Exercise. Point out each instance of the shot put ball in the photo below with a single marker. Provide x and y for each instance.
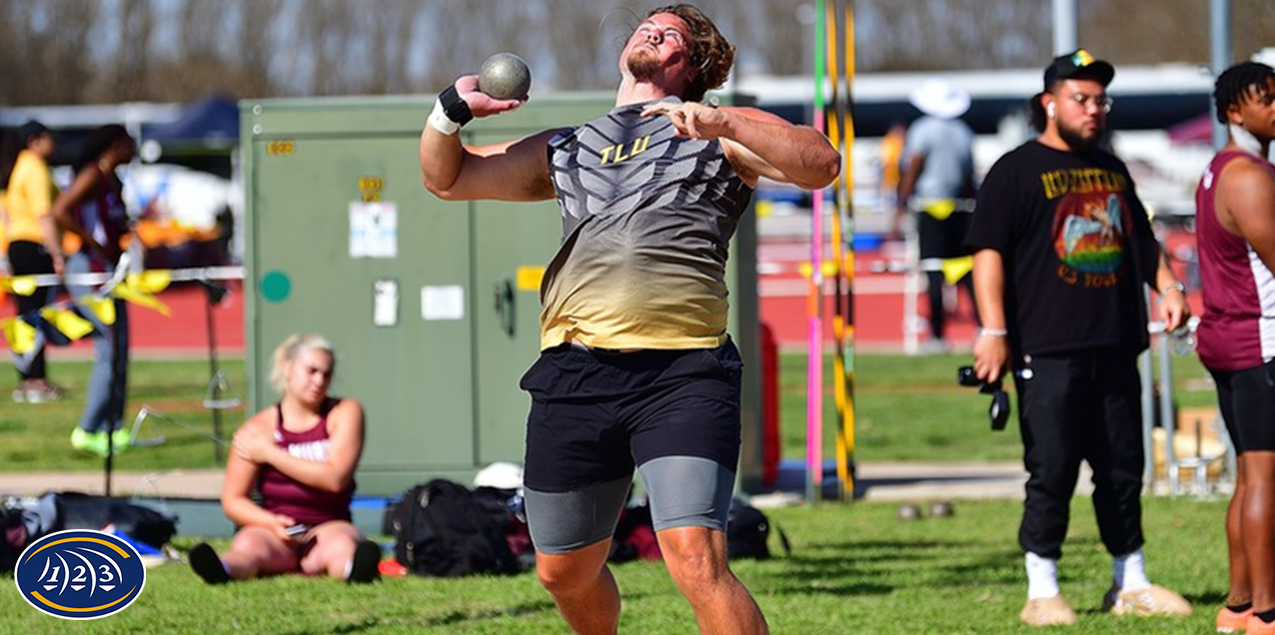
(504, 76)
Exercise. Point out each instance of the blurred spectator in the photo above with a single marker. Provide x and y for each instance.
(300, 454)
(92, 212)
(937, 183)
(33, 243)
(891, 157)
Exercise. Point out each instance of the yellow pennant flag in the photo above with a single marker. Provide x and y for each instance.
(941, 208)
(23, 285)
(67, 322)
(956, 268)
(150, 281)
(103, 308)
(127, 293)
(20, 335)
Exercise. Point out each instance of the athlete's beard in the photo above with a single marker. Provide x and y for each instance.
(642, 64)
(1076, 142)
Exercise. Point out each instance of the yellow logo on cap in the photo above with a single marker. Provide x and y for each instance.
(1082, 58)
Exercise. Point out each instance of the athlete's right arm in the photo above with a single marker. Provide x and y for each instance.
(991, 349)
(511, 171)
(1248, 193)
(237, 487)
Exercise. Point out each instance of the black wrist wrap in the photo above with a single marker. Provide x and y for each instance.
(455, 107)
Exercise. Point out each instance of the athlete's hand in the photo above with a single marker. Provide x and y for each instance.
(480, 103)
(991, 357)
(1174, 310)
(692, 120)
(253, 444)
(280, 527)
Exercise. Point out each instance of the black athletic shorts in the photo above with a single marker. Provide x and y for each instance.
(1247, 401)
(596, 413)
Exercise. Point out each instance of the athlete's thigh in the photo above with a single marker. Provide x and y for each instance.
(697, 414)
(271, 553)
(564, 522)
(335, 538)
(688, 491)
(1253, 406)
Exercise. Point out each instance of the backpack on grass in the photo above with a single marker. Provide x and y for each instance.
(441, 529)
(748, 533)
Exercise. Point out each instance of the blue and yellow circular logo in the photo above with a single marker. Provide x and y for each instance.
(80, 574)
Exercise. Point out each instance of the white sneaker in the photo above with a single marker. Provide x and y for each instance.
(1153, 600)
(1051, 611)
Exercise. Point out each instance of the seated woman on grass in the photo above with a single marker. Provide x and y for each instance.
(300, 454)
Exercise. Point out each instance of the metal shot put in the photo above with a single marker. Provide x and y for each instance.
(505, 76)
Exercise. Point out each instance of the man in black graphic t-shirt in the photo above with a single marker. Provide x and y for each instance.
(1063, 249)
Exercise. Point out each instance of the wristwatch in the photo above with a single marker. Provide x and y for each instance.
(1177, 285)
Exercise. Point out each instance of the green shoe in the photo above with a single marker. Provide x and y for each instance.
(93, 442)
(121, 439)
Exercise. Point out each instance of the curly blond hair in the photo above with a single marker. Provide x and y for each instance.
(710, 52)
(288, 351)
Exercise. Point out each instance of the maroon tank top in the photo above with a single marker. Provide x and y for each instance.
(282, 494)
(1237, 330)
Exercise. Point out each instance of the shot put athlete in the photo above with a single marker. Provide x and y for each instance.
(636, 368)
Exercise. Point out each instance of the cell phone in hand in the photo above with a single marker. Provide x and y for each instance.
(296, 530)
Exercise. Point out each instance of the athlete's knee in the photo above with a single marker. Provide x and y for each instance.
(254, 540)
(562, 574)
(695, 557)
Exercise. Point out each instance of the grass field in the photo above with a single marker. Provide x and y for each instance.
(854, 569)
(37, 437)
(909, 409)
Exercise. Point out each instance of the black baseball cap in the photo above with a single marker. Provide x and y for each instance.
(1078, 64)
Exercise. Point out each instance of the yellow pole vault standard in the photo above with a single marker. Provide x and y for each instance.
(841, 132)
(847, 183)
(838, 319)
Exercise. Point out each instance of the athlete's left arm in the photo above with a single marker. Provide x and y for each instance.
(1248, 192)
(758, 143)
(345, 445)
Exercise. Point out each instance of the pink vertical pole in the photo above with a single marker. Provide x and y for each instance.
(814, 370)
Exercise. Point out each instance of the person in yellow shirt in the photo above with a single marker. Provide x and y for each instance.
(33, 244)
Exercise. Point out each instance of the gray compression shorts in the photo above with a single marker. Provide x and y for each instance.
(684, 491)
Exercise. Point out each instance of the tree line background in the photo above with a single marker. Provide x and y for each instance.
(106, 51)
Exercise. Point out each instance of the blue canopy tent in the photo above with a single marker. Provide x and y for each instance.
(203, 137)
(208, 126)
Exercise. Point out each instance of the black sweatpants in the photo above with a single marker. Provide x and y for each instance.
(938, 316)
(943, 239)
(31, 258)
(1077, 406)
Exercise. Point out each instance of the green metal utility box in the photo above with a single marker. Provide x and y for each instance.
(433, 306)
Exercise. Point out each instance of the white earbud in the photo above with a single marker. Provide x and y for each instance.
(1049, 109)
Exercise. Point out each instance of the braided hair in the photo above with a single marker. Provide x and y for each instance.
(1237, 83)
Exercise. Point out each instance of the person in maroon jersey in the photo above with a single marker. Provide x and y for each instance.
(300, 454)
(1235, 232)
